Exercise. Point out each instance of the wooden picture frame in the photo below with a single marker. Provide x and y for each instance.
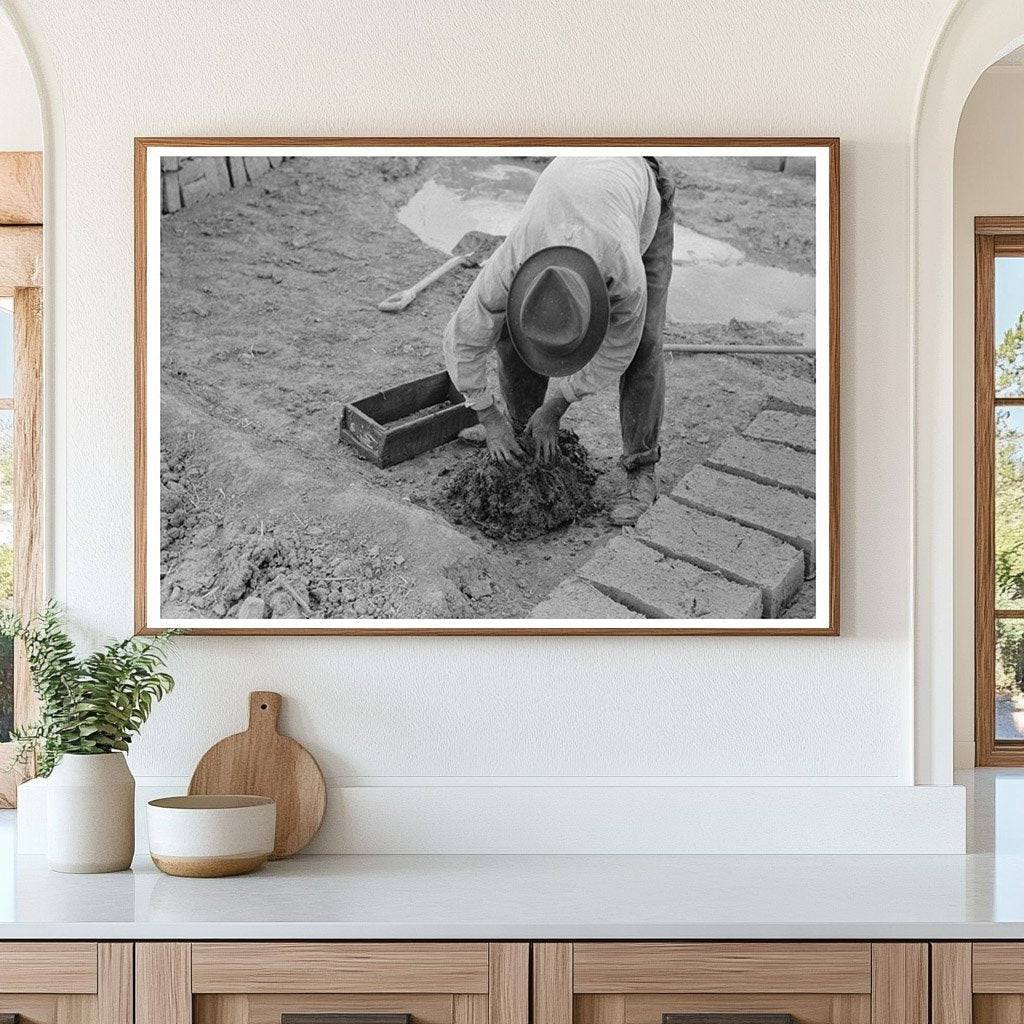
(147, 200)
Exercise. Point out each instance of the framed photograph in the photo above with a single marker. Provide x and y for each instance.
(487, 386)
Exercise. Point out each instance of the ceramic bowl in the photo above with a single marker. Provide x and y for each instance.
(211, 836)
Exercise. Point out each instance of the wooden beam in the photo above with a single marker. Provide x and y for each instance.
(21, 188)
(28, 483)
(28, 560)
(21, 258)
(984, 503)
(999, 225)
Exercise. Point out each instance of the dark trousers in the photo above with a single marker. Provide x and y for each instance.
(642, 385)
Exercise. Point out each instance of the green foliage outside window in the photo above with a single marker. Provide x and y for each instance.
(6, 688)
(1009, 509)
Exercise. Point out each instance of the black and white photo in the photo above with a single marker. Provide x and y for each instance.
(397, 387)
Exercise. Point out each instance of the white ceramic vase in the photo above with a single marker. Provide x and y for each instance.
(90, 814)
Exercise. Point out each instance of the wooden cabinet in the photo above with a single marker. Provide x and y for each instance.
(66, 982)
(648, 982)
(496, 983)
(259, 982)
(979, 982)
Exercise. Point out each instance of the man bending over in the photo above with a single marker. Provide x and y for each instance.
(576, 292)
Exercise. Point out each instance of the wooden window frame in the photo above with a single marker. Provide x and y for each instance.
(21, 268)
(993, 237)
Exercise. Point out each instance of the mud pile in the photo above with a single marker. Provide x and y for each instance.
(524, 500)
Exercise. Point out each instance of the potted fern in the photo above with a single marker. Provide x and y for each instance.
(89, 710)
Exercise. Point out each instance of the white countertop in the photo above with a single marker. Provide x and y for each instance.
(532, 897)
(978, 896)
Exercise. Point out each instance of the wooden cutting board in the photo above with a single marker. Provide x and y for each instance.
(262, 762)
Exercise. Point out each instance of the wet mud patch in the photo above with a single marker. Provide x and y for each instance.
(525, 500)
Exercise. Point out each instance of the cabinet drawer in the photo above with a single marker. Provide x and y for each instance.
(271, 1009)
(340, 967)
(736, 982)
(998, 967)
(630, 967)
(66, 982)
(48, 967)
(262, 982)
(980, 982)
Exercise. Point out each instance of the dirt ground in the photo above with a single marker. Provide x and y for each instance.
(269, 325)
(768, 216)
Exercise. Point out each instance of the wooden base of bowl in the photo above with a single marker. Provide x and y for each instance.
(210, 867)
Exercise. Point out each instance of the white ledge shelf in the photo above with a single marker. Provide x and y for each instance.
(531, 897)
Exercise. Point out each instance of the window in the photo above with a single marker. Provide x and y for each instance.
(21, 349)
(6, 510)
(999, 490)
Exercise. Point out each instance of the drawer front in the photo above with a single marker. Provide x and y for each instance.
(48, 967)
(66, 982)
(981, 982)
(340, 967)
(264, 982)
(998, 967)
(735, 982)
(635, 967)
(271, 1009)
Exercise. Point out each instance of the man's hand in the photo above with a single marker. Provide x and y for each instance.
(543, 426)
(501, 438)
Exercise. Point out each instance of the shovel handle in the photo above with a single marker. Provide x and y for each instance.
(398, 301)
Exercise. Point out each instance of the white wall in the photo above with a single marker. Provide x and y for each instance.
(988, 181)
(441, 714)
(21, 125)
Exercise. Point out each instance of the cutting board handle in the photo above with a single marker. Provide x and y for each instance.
(264, 711)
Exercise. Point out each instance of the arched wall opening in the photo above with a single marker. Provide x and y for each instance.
(976, 34)
(987, 182)
(21, 119)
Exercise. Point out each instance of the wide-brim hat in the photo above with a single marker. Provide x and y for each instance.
(557, 311)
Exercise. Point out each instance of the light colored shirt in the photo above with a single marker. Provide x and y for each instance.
(606, 206)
